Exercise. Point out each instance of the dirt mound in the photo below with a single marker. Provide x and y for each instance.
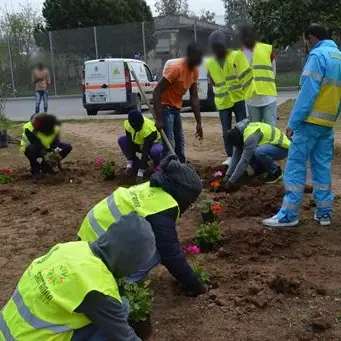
(252, 201)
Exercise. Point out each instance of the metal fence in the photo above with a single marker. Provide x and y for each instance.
(64, 52)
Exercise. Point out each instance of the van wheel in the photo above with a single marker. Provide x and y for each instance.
(92, 112)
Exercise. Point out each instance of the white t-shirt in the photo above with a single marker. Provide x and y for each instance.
(257, 100)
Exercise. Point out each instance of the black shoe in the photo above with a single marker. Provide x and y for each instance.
(36, 175)
(273, 178)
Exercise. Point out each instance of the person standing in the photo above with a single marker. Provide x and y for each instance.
(41, 80)
(262, 106)
(177, 79)
(311, 123)
(229, 94)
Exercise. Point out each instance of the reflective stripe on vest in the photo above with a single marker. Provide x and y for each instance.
(4, 329)
(113, 210)
(263, 74)
(142, 199)
(34, 321)
(321, 115)
(271, 135)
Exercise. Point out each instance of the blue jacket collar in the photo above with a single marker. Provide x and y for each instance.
(325, 43)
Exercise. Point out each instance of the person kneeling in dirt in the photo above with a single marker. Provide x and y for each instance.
(161, 201)
(141, 137)
(258, 145)
(40, 144)
(71, 293)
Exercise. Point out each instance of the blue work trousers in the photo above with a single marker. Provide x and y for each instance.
(316, 144)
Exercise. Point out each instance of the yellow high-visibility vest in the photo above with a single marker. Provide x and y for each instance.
(142, 199)
(54, 285)
(263, 74)
(327, 104)
(46, 140)
(139, 136)
(271, 135)
(227, 87)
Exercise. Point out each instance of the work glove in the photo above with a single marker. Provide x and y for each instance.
(58, 150)
(230, 187)
(129, 172)
(52, 162)
(203, 290)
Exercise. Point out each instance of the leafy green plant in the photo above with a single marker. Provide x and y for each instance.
(208, 235)
(139, 298)
(203, 276)
(107, 170)
(5, 179)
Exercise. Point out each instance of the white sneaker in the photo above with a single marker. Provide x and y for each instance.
(325, 220)
(275, 222)
(227, 162)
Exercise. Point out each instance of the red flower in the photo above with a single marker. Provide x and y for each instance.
(216, 207)
(5, 171)
(215, 184)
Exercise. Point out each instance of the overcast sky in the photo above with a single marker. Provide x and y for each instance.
(195, 5)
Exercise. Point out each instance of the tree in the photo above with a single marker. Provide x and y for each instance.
(207, 16)
(283, 22)
(172, 7)
(236, 12)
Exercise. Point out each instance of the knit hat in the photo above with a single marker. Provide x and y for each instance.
(180, 180)
(136, 119)
(218, 37)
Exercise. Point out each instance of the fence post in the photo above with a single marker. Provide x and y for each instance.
(195, 29)
(52, 64)
(11, 64)
(144, 42)
(95, 38)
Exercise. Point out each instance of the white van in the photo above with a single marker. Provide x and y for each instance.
(205, 91)
(109, 85)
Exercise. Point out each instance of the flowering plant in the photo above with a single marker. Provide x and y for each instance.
(191, 251)
(218, 174)
(107, 170)
(5, 176)
(99, 161)
(5, 171)
(215, 185)
(208, 235)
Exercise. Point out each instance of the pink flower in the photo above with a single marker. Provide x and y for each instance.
(99, 161)
(218, 174)
(193, 250)
(5, 171)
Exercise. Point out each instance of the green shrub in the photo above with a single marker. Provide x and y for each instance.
(203, 276)
(208, 235)
(140, 300)
(5, 179)
(107, 171)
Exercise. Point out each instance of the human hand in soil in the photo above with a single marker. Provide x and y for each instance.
(199, 132)
(203, 290)
(289, 132)
(231, 188)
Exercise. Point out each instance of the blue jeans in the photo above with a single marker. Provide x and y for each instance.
(239, 110)
(312, 143)
(41, 95)
(265, 156)
(92, 333)
(174, 131)
(266, 114)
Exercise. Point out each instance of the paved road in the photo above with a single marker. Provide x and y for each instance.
(72, 108)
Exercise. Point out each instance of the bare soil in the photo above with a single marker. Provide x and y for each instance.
(270, 285)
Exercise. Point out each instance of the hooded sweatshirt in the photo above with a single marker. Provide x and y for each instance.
(123, 249)
(242, 155)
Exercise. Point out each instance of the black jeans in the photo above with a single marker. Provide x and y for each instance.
(239, 110)
(33, 152)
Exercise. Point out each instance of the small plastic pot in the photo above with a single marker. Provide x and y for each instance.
(143, 329)
(208, 217)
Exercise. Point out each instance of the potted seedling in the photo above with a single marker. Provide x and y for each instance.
(208, 236)
(5, 176)
(210, 210)
(140, 306)
(191, 252)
